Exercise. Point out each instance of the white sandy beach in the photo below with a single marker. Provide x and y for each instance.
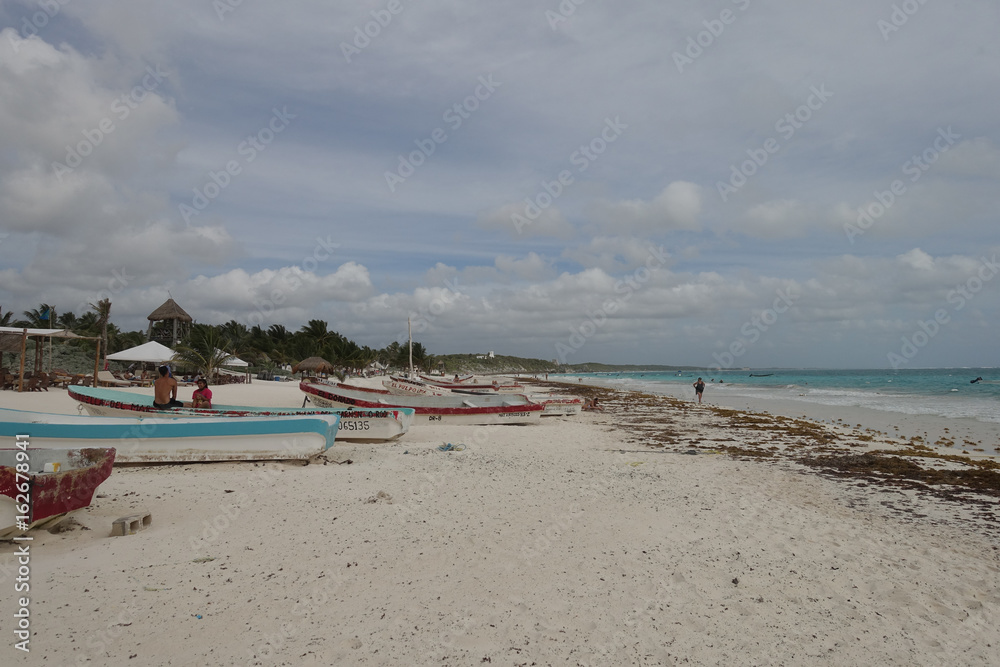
(566, 543)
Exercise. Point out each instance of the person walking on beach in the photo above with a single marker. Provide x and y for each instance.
(699, 388)
(165, 391)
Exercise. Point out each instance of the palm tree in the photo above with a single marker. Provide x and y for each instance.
(87, 324)
(204, 349)
(67, 321)
(40, 317)
(103, 311)
(5, 318)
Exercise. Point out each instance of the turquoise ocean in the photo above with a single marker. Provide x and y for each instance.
(943, 392)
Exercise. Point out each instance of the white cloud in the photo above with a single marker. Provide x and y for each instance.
(678, 206)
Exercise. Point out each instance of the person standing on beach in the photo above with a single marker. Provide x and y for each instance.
(165, 391)
(699, 388)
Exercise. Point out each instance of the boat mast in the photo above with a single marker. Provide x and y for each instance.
(409, 333)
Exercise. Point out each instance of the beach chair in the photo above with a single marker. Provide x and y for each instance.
(106, 379)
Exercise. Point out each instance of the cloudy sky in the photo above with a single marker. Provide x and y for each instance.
(722, 183)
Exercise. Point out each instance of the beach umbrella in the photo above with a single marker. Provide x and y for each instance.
(313, 365)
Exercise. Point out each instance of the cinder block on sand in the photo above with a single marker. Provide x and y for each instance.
(132, 524)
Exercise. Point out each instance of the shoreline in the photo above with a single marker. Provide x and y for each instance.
(592, 540)
(964, 433)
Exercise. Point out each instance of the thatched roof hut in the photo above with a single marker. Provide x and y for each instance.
(169, 312)
(313, 365)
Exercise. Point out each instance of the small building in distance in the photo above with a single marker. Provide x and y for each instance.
(168, 324)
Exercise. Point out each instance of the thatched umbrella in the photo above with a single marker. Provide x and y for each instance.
(314, 365)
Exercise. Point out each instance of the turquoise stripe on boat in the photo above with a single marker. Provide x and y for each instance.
(145, 400)
(173, 428)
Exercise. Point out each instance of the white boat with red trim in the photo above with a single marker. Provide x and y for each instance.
(456, 409)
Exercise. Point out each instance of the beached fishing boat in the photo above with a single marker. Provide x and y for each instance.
(558, 406)
(50, 484)
(462, 385)
(405, 387)
(376, 425)
(457, 409)
(158, 440)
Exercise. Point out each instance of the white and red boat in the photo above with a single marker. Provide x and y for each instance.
(559, 406)
(455, 409)
(405, 387)
(462, 385)
(50, 484)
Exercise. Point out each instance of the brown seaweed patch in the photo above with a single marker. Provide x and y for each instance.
(906, 472)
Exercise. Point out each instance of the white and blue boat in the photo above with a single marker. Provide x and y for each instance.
(157, 440)
(366, 425)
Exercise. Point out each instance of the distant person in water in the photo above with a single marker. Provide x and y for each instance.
(165, 391)
(975, 381)
(699, 388)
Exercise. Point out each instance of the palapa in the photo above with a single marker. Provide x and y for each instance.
(314, 365)
(169, 312)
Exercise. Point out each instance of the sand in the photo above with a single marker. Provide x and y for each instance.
(592, 540)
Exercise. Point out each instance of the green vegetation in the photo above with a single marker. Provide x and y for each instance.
(276, 346)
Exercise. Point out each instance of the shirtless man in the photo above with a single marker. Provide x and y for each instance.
(165, 391)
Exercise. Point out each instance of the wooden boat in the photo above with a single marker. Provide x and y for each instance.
(457, 409)
(157, 440)
(400, 386)
(35, 498)
(376, 425)
(512, 388)
(558, 406)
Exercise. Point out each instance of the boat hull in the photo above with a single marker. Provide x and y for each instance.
(355, 425)
(52, 495)
(404, 387)
(560, 407)
(431, 409)
(157, 440)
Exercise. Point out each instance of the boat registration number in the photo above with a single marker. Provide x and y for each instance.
(356, 425)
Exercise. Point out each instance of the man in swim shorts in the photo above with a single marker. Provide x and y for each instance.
(165, 391)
